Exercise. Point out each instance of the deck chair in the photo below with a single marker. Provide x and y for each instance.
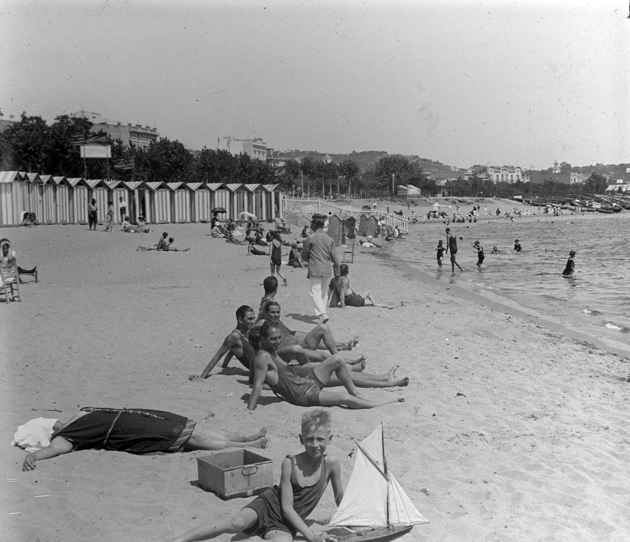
(31, 272)
(10, 280)
(348, 251)
(281, 225)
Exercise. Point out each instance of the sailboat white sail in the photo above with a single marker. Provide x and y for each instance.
(373, 497)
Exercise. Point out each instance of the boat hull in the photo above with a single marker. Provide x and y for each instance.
(382, 534)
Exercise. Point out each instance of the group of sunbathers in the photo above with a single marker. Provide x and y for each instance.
(297, 366)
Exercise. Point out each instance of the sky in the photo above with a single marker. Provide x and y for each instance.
(486, 82)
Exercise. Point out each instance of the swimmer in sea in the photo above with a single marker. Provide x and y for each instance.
(495, 250)
(440, 253)
(480, 255)
(517, 246)
(569, 270)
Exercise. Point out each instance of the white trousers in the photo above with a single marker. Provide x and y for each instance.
(319, 293)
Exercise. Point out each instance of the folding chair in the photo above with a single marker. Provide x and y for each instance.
(31, 272)
(9, 280)
(349, 252)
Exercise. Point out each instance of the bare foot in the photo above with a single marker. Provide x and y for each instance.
(195, 377)
(391, 373)
(356, 361)
(358, 366)
(354, 342)
(260, 443)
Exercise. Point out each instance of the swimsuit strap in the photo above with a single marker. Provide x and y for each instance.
(110, 428)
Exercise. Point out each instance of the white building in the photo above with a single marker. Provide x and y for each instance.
(506, 174)
(129, 134)
(256, 148)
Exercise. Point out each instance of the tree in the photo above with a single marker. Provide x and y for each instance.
(595, 184)
(396, 165)
(25, 144)
(349, 170)
(166, 161)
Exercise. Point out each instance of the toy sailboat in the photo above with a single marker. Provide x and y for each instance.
(374, 502)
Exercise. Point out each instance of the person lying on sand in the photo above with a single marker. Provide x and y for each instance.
(237, 344)
(136, 431)
(349, 298)
(306, 389)
(168, 247)
(279, 513)
(319, 338)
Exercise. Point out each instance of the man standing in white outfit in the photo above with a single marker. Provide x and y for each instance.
(320, 254)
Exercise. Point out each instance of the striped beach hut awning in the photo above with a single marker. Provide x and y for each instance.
(233, 187)
(31, 178)
(174, 186)
(154, 185)
(269, 187)
(112, 184)
(251, 187)
(132, 185)
(46, 179)
(9, 176)
(75, 181)
(214, 186)
(194, 186)
(58, 180)
(93, 183)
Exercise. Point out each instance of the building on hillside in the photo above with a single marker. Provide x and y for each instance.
(256, 148)
(578, 178)
(621, 172)
(129, 134)
(327, 159)
(276, 158)
(505, 174)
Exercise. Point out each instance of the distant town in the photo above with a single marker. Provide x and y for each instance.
(253, 160)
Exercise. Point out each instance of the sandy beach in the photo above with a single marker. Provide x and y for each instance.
(512, 427)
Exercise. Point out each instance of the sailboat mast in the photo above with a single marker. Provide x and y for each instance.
(389, 526)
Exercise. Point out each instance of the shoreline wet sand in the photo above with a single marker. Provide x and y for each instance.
(511, 428)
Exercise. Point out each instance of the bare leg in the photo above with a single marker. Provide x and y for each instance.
(368, 295)
(337, 366)
(205, 439)
(366, 380)
(343, 398)
(210, 529)
(323, 331)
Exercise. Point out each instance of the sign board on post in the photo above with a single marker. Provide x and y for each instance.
(96, 151)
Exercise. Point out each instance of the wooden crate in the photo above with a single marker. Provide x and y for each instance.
(237, 473)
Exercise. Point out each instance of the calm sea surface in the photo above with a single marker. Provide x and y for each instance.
(596, 301)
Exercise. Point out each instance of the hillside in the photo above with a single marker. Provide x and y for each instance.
(365, 159)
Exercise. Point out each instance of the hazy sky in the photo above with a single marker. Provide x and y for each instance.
(518, 82)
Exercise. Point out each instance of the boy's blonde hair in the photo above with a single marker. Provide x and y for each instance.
(315, 419)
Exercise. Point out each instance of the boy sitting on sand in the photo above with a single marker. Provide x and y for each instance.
(279, 513)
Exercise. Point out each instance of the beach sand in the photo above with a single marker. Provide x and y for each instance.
(511, 429)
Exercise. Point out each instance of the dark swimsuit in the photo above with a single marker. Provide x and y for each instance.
(354, 300)
(276, 254)
(268, 506)
(298, 389)
(568, 270)
(137, 431)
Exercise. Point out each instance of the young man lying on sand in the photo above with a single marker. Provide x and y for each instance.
(304, 390)
(320, 337)
(279, 513)
(136, 431)
(238, 344)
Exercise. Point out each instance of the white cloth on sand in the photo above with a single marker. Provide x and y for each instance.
(35, 434)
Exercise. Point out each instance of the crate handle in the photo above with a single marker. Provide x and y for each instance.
(249, 471)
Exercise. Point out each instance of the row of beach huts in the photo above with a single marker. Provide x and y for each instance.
(62, 200)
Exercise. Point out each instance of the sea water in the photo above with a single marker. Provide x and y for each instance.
(596, 300)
